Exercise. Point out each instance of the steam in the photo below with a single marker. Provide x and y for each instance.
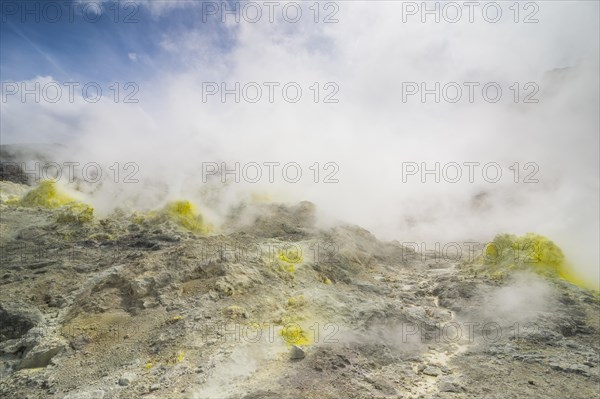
(522, 300)
(171, 132)
(242, 363)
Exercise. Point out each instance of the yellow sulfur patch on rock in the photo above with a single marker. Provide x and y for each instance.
(293, 334)
(288, 258)
(297, 301)
(185, 214)
(76, 212)
(45, 195)
(533, 252)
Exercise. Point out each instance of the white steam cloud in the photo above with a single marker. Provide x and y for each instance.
(370, 132)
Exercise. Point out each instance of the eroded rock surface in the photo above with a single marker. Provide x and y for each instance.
(274, 307)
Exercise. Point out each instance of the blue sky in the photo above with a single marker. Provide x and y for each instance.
(119, 47)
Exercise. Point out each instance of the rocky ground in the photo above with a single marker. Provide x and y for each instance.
(271, 306)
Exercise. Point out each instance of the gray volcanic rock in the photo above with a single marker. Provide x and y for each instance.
(297, 353)
(17, 319)
(274, 306)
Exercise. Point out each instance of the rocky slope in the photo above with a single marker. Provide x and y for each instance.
(272, 306)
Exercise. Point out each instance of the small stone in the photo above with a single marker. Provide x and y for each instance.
(432, 371)
(125, 380)
(297, 353)
(95, 394)
(154, 387)
(40, 357)
(79, 342)
(448, 386)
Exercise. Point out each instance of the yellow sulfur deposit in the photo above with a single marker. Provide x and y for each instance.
(293, 334)
(138, 217)
(76, 212)
(45, 195)
(297, 301)
(185, 214)
(174, 319)
(529, 252)
(289, 258)
(292, 255)
(164, 359)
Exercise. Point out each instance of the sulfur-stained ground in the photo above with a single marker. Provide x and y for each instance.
(128, 308)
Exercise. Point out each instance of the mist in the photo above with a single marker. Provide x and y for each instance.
(369, 135)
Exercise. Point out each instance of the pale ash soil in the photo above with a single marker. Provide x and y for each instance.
(118, 309)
